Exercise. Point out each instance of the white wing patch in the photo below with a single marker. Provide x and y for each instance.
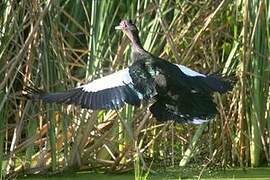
(122, 78)
(119, 78)
(198, 121)
(188, 71)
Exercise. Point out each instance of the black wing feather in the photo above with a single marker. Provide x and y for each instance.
(112, 98)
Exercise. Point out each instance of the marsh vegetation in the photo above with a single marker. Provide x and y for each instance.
(57, 45)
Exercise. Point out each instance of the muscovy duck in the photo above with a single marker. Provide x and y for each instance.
(177, 92)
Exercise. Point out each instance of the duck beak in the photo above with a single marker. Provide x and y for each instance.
(118, 27)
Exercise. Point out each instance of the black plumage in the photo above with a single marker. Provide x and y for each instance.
(178, 93)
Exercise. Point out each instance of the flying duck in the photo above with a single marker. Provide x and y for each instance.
(177, 92)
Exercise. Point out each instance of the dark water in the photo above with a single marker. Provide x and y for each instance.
(256, 173)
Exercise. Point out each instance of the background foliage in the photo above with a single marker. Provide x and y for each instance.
(56, 45)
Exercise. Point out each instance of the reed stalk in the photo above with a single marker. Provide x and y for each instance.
(259, 79)
(2, 138)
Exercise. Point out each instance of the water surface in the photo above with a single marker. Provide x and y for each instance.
(170, 174)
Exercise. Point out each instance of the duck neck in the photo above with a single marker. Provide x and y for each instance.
(136, 43)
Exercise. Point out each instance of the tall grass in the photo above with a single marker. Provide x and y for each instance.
(258, 79)
(57, 45)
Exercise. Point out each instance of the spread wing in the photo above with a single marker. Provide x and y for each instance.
(205, 83)
(191, 98)
(108, 92)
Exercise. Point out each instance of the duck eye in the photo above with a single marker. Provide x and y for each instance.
(124, 24)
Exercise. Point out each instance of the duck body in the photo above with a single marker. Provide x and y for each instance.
(185, 98)
(176, 92)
